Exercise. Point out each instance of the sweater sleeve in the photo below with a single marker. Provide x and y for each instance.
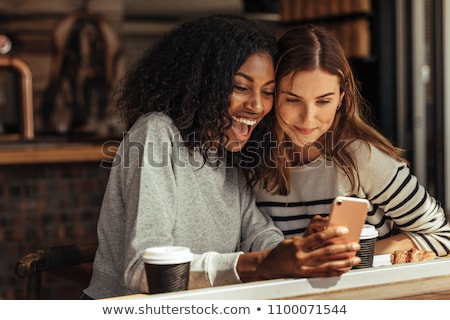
(258, 232)
(213, 269)
(149, 192)
(391, 187)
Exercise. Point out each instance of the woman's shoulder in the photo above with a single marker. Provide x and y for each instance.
(154, 119)
(358, 145)
(154, 124)
(366, 152)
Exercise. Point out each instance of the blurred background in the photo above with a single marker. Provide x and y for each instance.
(60, 60)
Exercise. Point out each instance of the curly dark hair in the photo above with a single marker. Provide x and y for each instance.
(189, 75)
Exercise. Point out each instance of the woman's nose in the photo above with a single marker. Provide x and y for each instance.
(256, 104)
(307, 114)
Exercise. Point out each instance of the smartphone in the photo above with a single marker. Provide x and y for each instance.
(351, 213)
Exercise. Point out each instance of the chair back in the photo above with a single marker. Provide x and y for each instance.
(55, 259)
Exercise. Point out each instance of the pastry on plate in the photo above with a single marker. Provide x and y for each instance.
(412, 255)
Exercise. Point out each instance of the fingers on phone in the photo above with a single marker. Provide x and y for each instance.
(336, 249)
(345, 265)
(322, 237)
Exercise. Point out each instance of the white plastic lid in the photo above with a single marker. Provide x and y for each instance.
(167, 255)
(368, 232)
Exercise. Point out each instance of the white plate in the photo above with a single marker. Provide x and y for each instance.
(382, 260)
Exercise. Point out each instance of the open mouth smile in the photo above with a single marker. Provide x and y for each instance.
(243, 126)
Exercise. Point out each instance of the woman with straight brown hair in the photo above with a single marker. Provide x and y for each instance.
(326, 147)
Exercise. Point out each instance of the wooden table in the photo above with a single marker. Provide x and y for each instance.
(419, 280)
(443, 295)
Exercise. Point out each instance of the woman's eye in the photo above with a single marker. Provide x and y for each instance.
(240, 88)
(323, 102)
(268, 93)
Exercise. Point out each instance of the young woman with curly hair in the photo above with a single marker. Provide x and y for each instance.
(326, 148)
(192, 102)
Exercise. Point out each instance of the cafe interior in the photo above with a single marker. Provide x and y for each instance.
(59, 132)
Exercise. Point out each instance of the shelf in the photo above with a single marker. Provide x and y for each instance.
(31, 153)
(331, 18)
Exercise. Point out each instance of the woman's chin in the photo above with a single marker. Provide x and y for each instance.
(235, 146)
(237, 139)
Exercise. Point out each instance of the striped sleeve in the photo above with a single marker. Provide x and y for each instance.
(391, 187)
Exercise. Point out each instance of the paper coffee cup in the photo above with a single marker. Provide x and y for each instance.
(367, 241)
(167, 268)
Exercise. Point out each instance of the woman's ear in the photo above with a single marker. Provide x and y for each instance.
(341, 98)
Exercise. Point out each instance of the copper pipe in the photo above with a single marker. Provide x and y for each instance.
(27, 112)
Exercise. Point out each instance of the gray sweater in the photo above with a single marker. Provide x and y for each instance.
(158, 194)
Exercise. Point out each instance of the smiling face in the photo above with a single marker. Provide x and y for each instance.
(251, 99)
(307, 105)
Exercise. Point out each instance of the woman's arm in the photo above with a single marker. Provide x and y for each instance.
(399, 242)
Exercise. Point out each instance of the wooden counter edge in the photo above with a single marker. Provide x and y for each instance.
(423, 289)
(57, 154)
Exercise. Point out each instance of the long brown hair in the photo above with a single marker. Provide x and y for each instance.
(306, 48)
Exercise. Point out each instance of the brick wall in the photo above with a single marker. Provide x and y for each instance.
(46, 205)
